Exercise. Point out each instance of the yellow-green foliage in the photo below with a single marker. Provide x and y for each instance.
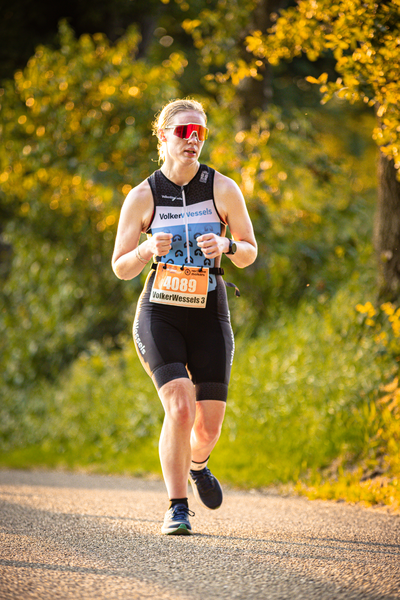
(375, 479)
(75, 138)
(103, 413)
(76, 126)
(383, 324)
(352, 487)
(364, 39)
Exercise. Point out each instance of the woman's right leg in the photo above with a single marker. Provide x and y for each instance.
(161, 346)
(179, 402)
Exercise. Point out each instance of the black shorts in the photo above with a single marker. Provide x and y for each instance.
(178, 341)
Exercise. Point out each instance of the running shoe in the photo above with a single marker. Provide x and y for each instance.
(176, 521)
(206, 488)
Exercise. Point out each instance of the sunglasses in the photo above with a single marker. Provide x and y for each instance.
(185, 131)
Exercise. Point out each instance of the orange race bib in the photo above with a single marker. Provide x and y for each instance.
(180, 287)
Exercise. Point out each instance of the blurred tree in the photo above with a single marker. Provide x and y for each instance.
(74, 137)
(219, 33)
(274, 154)
(364, 37)
(25, 24)
(256, 92)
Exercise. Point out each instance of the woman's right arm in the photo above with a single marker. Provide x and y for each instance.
(129, 258)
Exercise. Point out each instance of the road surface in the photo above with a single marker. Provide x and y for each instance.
(76, 536)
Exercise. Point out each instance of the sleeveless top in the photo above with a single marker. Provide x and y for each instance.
(187, 212)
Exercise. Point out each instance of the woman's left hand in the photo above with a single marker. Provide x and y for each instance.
(212, 245)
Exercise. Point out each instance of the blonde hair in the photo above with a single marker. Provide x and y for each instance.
(165, 116)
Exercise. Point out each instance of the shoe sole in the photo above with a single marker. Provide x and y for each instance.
(181, 530)
(199, 500)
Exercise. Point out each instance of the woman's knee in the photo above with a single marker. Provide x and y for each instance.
(179, 402)
(182, 413)
(207, 432)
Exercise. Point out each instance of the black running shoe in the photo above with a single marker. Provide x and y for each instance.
(206, 488)
(176, 521)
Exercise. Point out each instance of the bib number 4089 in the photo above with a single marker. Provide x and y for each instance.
(179, 284)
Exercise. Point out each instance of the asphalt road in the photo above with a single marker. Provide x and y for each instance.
(76, 536)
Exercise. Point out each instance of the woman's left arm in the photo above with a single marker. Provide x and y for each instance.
(232, 208)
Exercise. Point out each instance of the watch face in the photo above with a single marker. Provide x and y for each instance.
(233, 248)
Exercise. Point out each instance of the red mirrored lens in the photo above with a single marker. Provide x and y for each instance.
(185, 131)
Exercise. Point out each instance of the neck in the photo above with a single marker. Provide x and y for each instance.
(178, 174)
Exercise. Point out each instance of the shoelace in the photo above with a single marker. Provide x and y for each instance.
(203, 479)
(180, 511)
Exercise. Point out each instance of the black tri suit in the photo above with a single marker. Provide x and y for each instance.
(186, 341)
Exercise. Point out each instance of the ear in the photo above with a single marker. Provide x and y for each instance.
(161, 135)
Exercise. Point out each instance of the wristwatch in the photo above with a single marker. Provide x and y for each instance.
(232, 247)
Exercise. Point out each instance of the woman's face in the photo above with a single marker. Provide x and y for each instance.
(176, 149)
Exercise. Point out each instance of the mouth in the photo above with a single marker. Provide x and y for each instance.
(190, 152)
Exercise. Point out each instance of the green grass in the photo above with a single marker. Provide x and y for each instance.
(141, 459)
(103, 415)
(300, 397)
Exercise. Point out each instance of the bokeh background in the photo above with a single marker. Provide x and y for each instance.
(302, 99)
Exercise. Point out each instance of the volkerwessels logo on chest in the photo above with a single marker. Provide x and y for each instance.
(202, 212)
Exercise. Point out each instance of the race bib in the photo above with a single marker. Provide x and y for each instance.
(180, 287)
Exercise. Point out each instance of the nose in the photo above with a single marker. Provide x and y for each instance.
(192, 134)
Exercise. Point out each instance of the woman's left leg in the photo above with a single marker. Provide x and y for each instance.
(205, 434)
(207, 428)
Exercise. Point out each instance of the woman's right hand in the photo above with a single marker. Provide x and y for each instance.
(159, 243)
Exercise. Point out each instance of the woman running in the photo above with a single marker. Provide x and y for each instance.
(182, 329)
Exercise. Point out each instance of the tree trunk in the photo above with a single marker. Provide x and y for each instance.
(387, 230)
(257, 93)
